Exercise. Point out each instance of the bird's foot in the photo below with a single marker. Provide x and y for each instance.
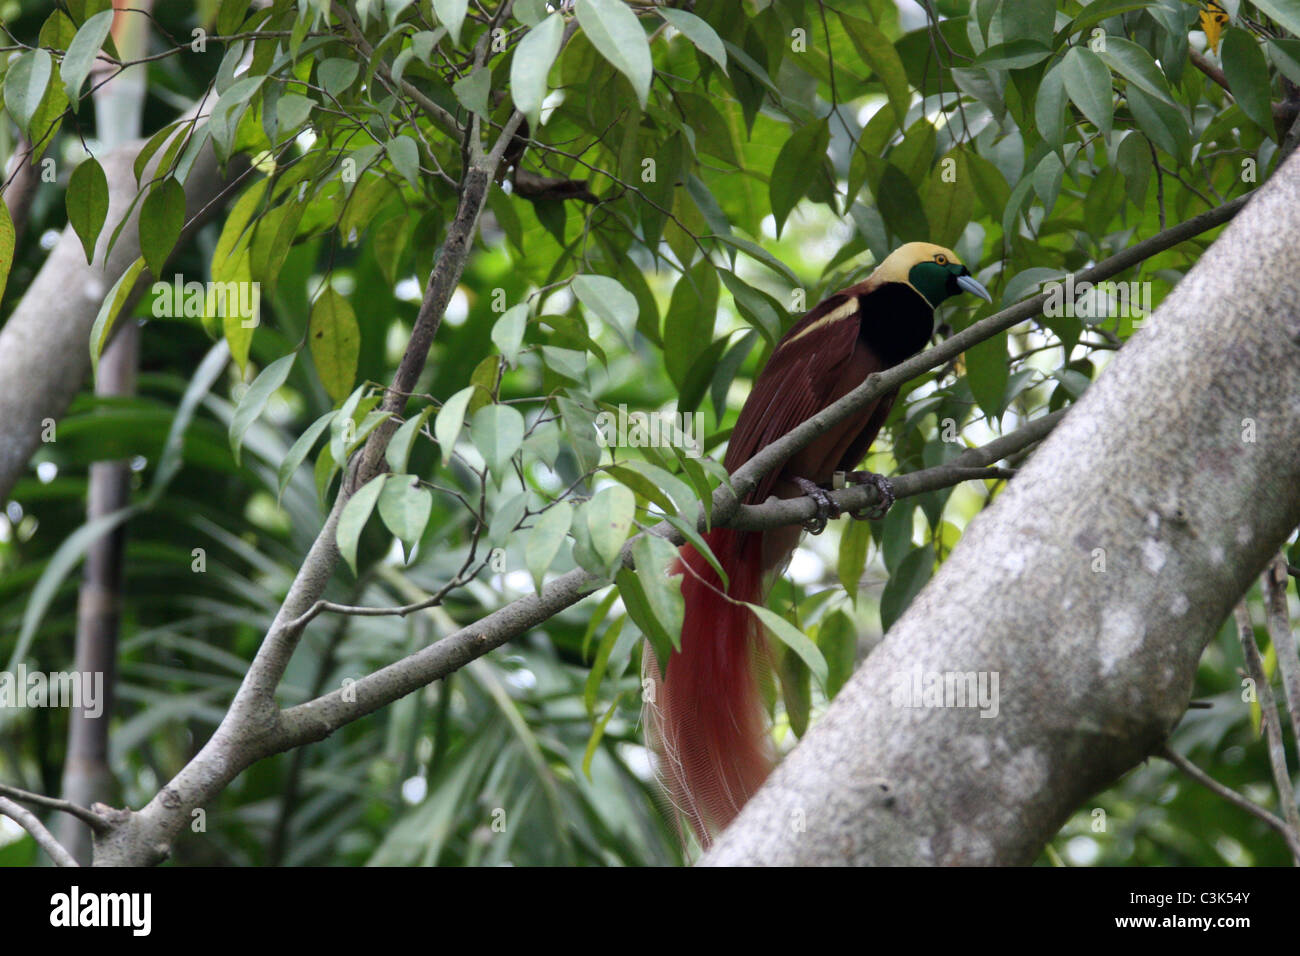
(825, 507)
(881, 484)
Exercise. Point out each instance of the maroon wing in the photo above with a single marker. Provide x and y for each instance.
(809, 369)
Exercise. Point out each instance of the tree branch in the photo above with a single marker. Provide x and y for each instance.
(315, 719)
(1268, 715)
(43, 837)
(1283, 640)
(89, 817)
(1232, 796)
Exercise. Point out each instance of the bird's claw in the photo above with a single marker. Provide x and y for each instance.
(882, 485)
(825, 507)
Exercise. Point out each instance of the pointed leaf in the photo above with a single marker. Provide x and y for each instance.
(542, 541)
(405, 506)
(82, 51)
(609, 517)
(614, 30)
(162, 216)
(497, 432)
(793, 638)
(354, 517)
(531, 64)
(87, 202)
(451, 417)
(255, 398)
(1087, 81)
(699, 32)
(335, 341)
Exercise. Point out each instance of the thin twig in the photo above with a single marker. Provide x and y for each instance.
(1232, 796)
(1272, 724)
(89, 817)
(43, 837)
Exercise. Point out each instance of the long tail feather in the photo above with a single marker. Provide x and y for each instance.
(705, 715)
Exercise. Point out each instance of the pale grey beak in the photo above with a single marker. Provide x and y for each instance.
(971, 285)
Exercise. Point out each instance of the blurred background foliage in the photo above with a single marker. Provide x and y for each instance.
(791, 145)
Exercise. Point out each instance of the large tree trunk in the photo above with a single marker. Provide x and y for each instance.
(1089, 587)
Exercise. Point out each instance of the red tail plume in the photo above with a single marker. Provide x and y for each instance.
(706, 720)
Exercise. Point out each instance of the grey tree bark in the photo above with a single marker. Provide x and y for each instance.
(1089, 587)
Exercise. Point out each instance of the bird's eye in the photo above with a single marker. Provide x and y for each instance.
(941, 259)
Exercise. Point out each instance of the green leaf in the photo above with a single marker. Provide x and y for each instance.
(1248, 76)
(82, 51)
(614, 30)
(405, 506)
(837, 638)
(25, 81)
(1049, 107)
(335, 75)
(853, 556)
(225, 298)
(987, 371)
(162, 216)
(335, 341)
(796, 690)
(683, 500)
(354, 517)
(542, 541)
(1163, 124)
(688, 324)
(299, 450)
(1087, 81)
(904, 584)
(704, 37)
(597, 734)
(948, 202)
(497, 432)
(1138, 67)
(451, 14)
(793, 638)
(608, 299)
(1014, 55)
(112, 305)
(87, 202)
(900, 207)
(1285, 12)
(508, 332)
(879, 54)
(1133, 160)
(450, 420)
(473, 91)
(6, 245)
(609, 516)
(531, 64)
(255, 398)
(795, 166)
(662, 641)
(655, 557)
(292, 110)
(398, 452)
(405, 156)
(697, 541)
